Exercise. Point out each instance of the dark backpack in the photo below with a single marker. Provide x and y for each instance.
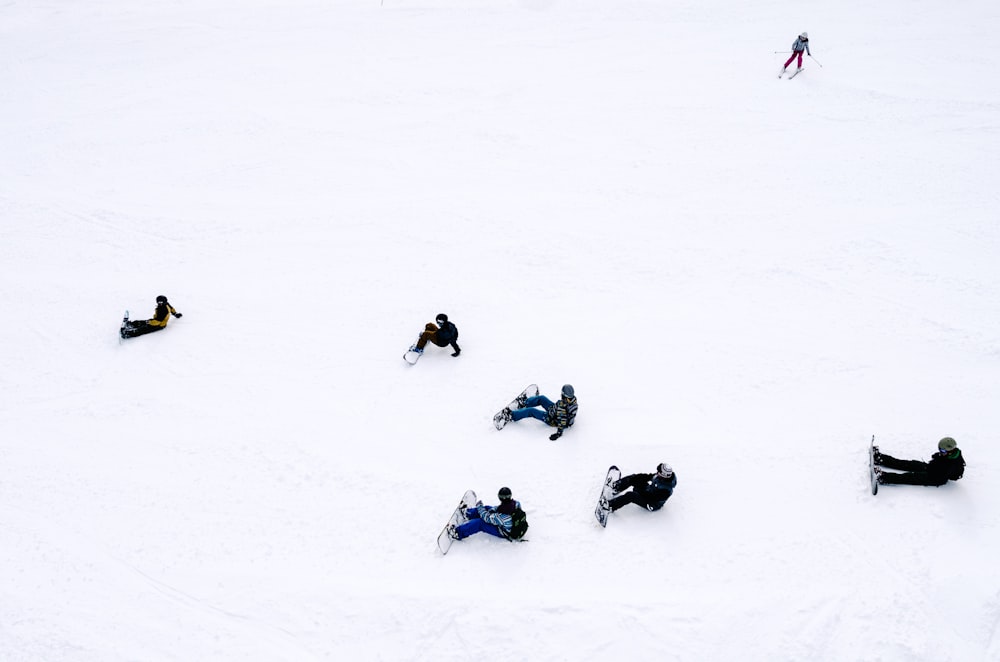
(448, 333)
(518, 524)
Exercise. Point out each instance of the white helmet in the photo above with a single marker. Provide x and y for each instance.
(804, 35)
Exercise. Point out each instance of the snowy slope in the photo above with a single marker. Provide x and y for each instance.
(743, 276)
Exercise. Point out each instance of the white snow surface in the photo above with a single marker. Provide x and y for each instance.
(743, 276)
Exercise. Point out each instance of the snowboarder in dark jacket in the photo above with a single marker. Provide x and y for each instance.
(650, 491)
(947, 464)
(559, 414)
(161, 316)
(442, 334)
(496, 521)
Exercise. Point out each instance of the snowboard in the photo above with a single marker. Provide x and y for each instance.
(457, 517)
(603, 509)
(124, 327)
(412, 355)
(871, 465)
(531, 391)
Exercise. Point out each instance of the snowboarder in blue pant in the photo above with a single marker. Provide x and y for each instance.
(560, 414)
(504, 521)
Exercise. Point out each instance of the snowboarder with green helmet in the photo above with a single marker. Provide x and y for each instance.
(947, 464)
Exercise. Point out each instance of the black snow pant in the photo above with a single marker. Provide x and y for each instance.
(140, 328)
(917, 473)
(632, 496)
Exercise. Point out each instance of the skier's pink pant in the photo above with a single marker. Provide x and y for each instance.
(794, 53)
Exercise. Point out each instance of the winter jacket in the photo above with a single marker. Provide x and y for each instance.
(800, 45)
(162, 315)
(499, 516)
(945, 466)
(657, 490)
(447, 334)
(562, 413)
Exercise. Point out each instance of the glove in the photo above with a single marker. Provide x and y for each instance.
(178, 315)
(479, 503)
(553, 437)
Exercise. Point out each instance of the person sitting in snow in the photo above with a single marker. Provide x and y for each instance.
(560, 414)
(650, 491)
(504, 521)
(442, 334)
(800, 44)
(133, 328)
(947, 464)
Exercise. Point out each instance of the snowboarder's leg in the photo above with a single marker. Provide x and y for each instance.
(623, 500)
(474, 526)
(538, 401)
(140, 328)
(458, 350)
(527, 412)
(889, 462)
(912, 478)
(424, 337)
(635, 480)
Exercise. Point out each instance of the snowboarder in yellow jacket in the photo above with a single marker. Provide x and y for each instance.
(133, 328)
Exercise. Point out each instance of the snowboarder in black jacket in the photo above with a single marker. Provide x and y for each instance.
(650, 491)
(133, 328)
(947, 464)
(442, 334)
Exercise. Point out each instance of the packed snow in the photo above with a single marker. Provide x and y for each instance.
(743, 276)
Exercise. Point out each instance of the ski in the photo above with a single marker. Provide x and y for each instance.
(796, 73)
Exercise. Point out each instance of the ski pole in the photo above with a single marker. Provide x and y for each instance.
(777, 52)
(816, 61)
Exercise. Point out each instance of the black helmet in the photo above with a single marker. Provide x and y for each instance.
(441, 318)
(161, 299)
(505, 494)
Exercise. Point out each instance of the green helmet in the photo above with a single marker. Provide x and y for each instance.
(947, 444)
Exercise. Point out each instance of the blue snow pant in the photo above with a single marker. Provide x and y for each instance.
(530, 409)
(476, 525)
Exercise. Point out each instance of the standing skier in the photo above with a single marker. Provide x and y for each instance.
(133, 328)
(559, 414)
(947, 464)
(442, 334)
(800, 44)
(650, 491)
(504, 521)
